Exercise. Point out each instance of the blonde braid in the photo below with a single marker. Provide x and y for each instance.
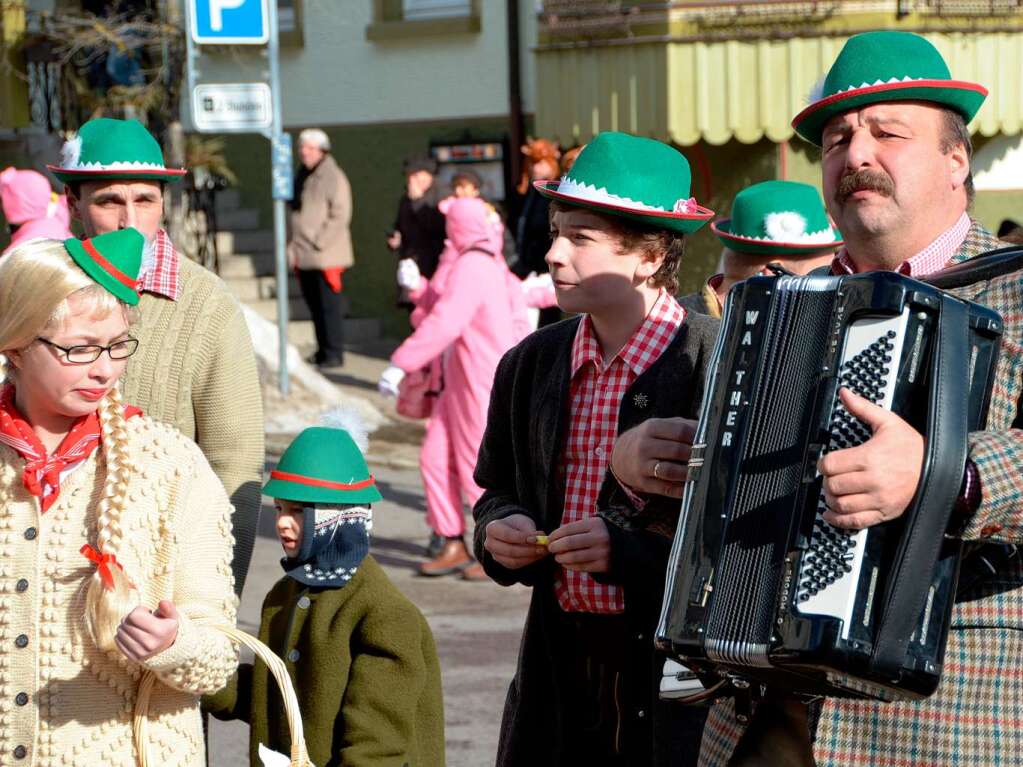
(106, 608)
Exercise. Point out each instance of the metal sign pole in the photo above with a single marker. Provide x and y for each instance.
(280, 234)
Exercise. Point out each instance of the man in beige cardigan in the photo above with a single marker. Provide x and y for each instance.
(195, 368)
(321, 243)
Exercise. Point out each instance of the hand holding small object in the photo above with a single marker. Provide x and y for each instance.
(143, 633)
(584, 546)
(409, 275)
(514, 541)
(390, 380)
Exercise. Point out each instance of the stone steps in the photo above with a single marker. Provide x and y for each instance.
(247, 265)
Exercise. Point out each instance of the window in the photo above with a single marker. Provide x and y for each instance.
(416, 10)
(404, 19)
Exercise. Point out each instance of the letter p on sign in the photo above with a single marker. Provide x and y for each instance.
(217, 8)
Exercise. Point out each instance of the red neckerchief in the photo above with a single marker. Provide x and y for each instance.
(43, 472)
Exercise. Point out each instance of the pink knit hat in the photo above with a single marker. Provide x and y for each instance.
(27, 195)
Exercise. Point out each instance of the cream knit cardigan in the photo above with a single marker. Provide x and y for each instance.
(176, 545)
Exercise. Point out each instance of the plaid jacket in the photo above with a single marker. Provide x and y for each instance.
(976, 716)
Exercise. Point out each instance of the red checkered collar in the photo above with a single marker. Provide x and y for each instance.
(163, 276)
(931, 259)
(646, 345)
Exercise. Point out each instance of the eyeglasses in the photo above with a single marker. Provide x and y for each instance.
(83, 355)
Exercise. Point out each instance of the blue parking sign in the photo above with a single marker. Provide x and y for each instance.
(230, 22)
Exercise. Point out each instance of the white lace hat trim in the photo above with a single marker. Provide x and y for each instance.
(590, 193)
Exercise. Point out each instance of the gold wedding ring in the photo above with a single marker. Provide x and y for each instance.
(657, 465)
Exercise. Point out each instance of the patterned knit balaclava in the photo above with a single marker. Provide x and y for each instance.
(335, 540)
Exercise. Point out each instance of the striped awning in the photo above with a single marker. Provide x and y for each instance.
(716, 91)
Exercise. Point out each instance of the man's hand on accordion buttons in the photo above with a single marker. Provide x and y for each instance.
(873, 482)
(584, 545)
(652, 457)
(512, 541)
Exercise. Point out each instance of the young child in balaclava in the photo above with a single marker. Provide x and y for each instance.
(360, 654)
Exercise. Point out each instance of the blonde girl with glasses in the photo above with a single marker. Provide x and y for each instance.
(115, 534)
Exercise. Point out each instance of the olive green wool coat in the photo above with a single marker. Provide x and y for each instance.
(365, 669)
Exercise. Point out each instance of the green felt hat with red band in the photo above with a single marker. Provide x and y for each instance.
(112, 259)
(778, 217)
(636, 178)
(875, 67)
(323, 465)
(106, 149)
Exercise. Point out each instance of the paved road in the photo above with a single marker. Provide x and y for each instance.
(476, 625)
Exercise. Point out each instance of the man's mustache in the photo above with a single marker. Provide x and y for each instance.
(864, 180)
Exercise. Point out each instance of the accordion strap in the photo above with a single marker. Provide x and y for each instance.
(941, 477)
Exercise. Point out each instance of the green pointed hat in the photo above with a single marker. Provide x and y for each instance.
(783, 217)
(886, 66)
(112, 259)
(323, 465)
(633, 177)
(105, 148)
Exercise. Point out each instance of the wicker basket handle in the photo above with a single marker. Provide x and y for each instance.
(299, 754)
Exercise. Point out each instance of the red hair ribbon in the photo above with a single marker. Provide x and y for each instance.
(102, 562)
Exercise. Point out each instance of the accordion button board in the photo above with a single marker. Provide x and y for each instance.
(759, 586)
(830, 568)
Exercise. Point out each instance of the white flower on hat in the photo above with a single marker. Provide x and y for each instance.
(348, 418)
(785, 226)
(71, 152)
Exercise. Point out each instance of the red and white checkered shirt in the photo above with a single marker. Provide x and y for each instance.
(595, 396)
(162, 278)
(933, 258)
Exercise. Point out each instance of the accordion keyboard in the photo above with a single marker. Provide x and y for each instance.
(831, 567)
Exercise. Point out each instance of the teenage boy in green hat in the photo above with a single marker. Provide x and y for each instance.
(891, 123)
(550, 516)
(360, 654)
(781, 223)
(195, 368)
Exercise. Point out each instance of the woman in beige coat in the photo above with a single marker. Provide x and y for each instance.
(320, 248)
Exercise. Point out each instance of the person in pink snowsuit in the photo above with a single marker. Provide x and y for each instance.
(474, 314)
(32, 208)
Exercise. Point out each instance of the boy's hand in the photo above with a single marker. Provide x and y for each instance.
(512, 541)
(143, 634)
(652, 457)
(584, 545)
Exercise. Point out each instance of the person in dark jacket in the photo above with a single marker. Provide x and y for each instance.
(360, 654)
(585, 691)
(419, 226)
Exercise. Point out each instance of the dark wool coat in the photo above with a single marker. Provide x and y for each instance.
(518, 468)
(974, 717)
(365, 670)
(422, 230)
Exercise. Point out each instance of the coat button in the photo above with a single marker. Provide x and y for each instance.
(304, 602)
(21, 698)
(19, 752)
(639, 637)
(21, 641)
(293, 655)
(21, 585)
(30, 534)
(641, 713)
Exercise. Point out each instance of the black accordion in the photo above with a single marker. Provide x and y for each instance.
(760, 588)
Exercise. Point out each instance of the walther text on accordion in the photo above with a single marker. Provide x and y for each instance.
(759, 587)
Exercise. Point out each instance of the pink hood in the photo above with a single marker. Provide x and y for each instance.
(26, 195)
(468, 224)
